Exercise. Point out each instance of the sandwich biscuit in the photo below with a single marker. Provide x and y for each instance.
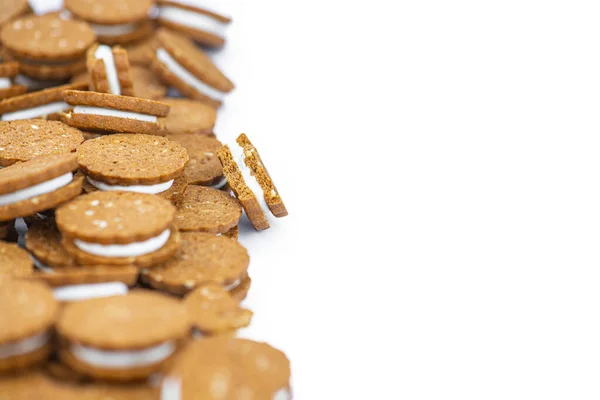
(118, 228)
(37, 185)
(184, 66)
(112, 113)
(135, 163)
(251, 183)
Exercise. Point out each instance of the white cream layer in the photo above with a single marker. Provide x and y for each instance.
(24, 346)
(179, 70)
(105, 54)
(150, 189)
(89, 291)
(125, 250)
(192, 19)
(36, 190)
(5, 83)
(109, 112)
(113, 30)
(238, 155)
(123, 359)
(38, 111)
(170, 389)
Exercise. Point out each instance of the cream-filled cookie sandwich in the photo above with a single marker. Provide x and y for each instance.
(251, 183)
(180, 63)
(205, 26)
(44, 104)
(28, 314)
(134, 163)
(118, 228)
(114, 21)
(37, 185)
(109, 70)
(70, 281)
(122, 337)
(103, 112)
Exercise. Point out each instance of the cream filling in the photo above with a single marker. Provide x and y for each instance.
(89, 291)
(38, 111)
(170, 389)
(109, 112)
(150, 189)
(5, 83)
(192, 19)
(123, 359)
(238, 155)
(105, 54)
(36, 190)
(24, 346)
(222, 182)
(186, 76)
(125, 250)
(113, 30)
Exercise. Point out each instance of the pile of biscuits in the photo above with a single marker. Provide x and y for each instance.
(121, 276)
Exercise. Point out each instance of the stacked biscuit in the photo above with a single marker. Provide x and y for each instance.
(120, 271)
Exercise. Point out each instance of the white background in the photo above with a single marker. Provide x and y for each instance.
(440, 162)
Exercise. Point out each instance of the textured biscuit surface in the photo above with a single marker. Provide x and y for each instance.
(9, 69)
(212, 310)
(186, 53)
(116, 102)
(35, 99)
(140, 52)
(43, 241)
(236, 182)
(126, 159)
(256, 165)
(148, 86)
(12, 9)
(202, 258)
(14, 262)
(136, 320)
(40, 169)
(110, 12)
(14, 90)
(240, 368)
(207, 210)
(47, 38)
(204, 167)
(173, 80)
(203, 37)
(103, 124)
(51, 71)
(188, 117)
(42, 202)
(98, 74)
(28, 308)
(115, 217)
(26, 139)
